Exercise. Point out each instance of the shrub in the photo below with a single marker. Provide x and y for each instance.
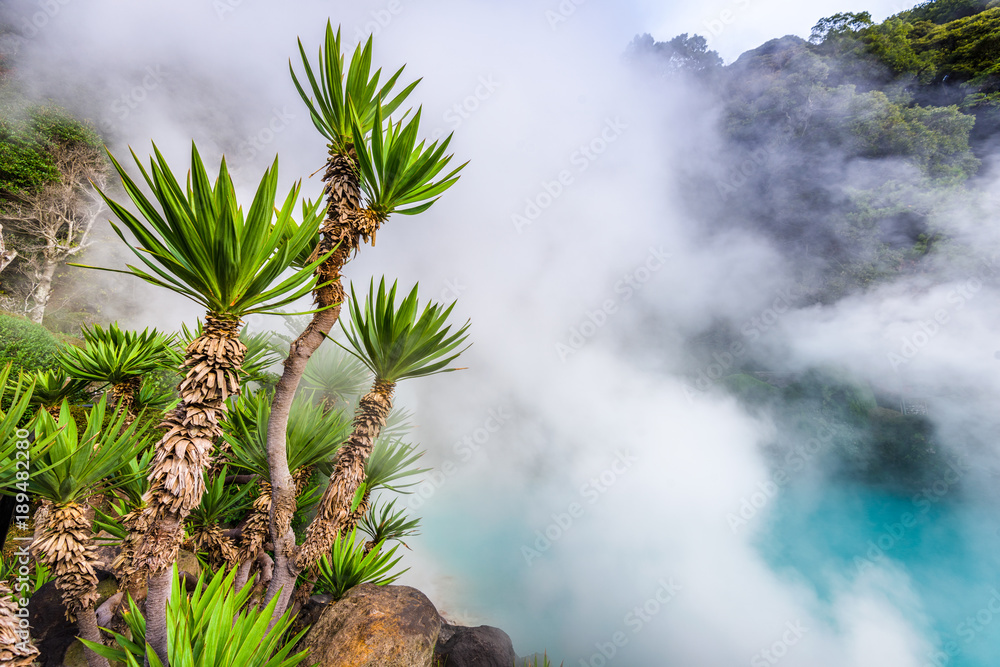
(31, 347)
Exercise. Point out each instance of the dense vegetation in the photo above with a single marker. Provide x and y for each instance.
(845, 150)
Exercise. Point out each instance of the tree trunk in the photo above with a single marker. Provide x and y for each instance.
(87, 621)
(212, 364)
(43, 290)
(343, 199)
(348, 474)
(157, 596)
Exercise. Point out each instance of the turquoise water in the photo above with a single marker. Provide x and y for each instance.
(949, 549)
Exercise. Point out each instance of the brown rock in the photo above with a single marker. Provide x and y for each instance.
(375, 626)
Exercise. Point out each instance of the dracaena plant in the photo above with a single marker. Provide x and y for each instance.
(394, 341)
(339, 101)
(53, 386)
(77, 465)
(349, 564)
(193, 238)
(120, 358)
(399, 175)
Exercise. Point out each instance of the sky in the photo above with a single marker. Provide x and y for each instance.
(582, 489)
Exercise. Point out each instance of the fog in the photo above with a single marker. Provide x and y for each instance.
(584, 482)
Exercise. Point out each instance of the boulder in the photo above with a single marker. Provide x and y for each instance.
(50, 631)
(375, 626)
(483, 646)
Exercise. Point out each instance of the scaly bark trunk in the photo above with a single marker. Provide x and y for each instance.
(15, 648)
(125, 394)
(42, 292)
(212, 364)
(348, 474)
(343, 201)
(66, 548)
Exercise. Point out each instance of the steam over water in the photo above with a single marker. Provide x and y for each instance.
(600, 488)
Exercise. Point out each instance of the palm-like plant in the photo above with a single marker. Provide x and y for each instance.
(54, 385)
(197, 241)
(350, 563)
(347, 108)
(75, 467)
(119, 358)
(214, 626)
(204, 522)
(14, 649)
(396, 342)
(384, 522)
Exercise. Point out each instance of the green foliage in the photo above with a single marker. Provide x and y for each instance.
(347, 566)
(394, 342)
(113, 355)
(27, 135)
(335, 375)
(397, 173)
(840, 25)
(214, 626)
(203, 247)
(313, 434)
(935, 138)
(945, 11)
(17, 399)
(52, 387)
(384, 522)
(342, 101)
(10, 573)
(78, 464)
(29, 346)
(220, 502)
(56, 125)
(391, 460)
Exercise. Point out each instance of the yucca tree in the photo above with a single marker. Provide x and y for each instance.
(396, 342)
(75, 467)
(119, 358)
(15, 649)
(198, 242)
(372, 171)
